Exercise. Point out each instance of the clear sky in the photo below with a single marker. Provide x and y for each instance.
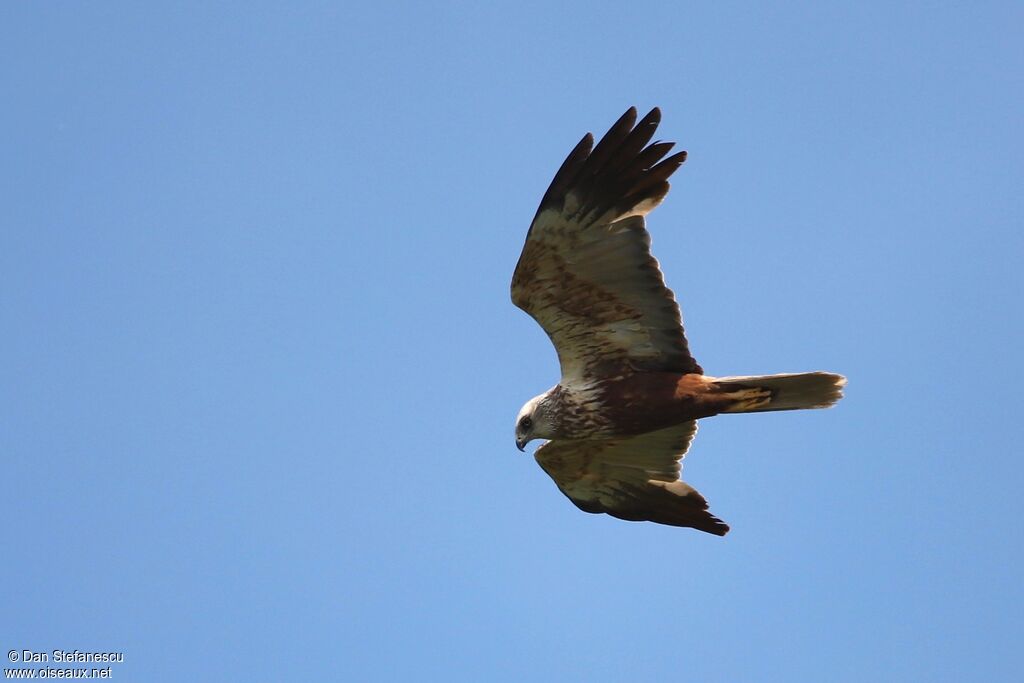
(259, 367)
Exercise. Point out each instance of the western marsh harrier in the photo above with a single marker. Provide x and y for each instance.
(624, 413)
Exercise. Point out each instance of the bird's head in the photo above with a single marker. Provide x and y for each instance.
(534, 421)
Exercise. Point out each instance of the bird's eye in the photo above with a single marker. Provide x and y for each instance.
(525, 423)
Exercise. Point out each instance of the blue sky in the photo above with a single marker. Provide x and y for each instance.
(260, 367)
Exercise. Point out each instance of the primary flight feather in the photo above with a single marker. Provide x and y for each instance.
(622, 416)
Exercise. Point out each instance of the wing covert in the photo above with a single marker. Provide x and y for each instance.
(632, 478)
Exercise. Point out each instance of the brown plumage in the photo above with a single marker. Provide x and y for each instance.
(623, 415)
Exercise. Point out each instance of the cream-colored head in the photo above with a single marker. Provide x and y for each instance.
(535, 421)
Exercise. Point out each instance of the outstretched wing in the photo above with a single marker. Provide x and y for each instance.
(633, 478)
(586, 273)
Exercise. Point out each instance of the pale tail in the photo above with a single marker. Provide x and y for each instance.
(782, 392)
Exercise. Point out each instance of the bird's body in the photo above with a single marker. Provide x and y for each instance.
(624, 412)
(636, 403)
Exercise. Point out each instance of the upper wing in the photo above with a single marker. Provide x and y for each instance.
(586, 273)
(634, 478)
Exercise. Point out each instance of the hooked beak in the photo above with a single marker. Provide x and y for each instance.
(520, 444)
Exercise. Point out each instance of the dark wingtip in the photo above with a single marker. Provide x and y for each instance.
(621, 127)
(653, 118)
(619, 172)
(720, 529)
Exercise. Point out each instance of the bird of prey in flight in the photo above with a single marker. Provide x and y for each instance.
(622, 416)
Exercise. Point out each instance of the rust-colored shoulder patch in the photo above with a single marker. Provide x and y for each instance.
(691, 386)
